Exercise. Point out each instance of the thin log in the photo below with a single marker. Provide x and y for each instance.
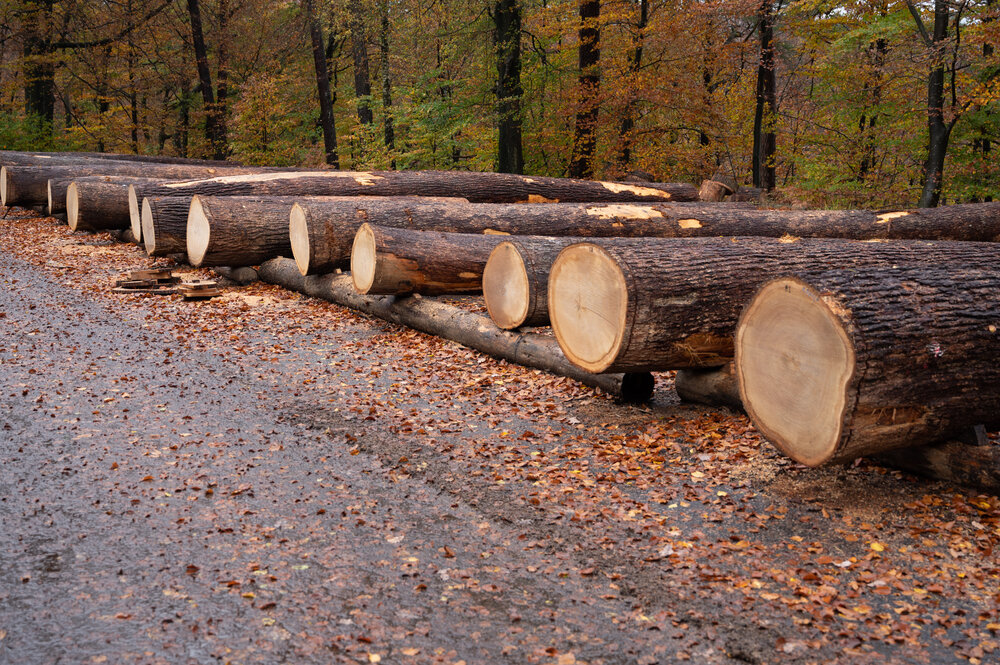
(322, 232)
(388, 261)
(237, 231)
(447, 321)
(714, 386)
(657, 304)
(841, 364)
(164, 225)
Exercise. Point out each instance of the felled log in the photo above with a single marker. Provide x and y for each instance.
(712, 386)
(237, 231)
(471, 185)
(21, 158)
(841, 364)
(658, 304)
(94, 204)
(447, 321)
(164, 225)
(28, 185)
(388, 261)
(322, 232)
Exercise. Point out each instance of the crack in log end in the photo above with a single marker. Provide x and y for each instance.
(629, 211)
(538, 198)
(885, 218)
(689, 223)
(618, 188)
(705, 350)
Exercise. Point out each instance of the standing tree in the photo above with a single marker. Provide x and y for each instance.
(215, 120)
(764, 142)
(634, 66)
(323, 86)
(507, 40)
(581, 163)
(389, 133)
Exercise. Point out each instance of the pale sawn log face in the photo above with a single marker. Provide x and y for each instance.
(237, 231)
(505, 286)
(924, 339)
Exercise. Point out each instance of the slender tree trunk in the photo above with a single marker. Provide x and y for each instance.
(763, 122)
(938, 131)
(213, 131)
(507, 39)
(39, 72)
(983, 145)
(635, 65)
(383, 52)
(869, 116)
(222, 77)
(585, 133)
(359, 50)
(323, 86)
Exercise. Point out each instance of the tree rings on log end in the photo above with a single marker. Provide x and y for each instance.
(298, 235)
(134, 213)
(3, 185)
(199, 232)
(72, 205)
(146, 224)
(588, 303)
(506, 287)
(363, 259)
(48, 191)
(794, 364)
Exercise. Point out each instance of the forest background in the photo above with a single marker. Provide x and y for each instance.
(867, 103)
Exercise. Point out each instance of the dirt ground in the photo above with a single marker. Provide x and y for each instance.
(267, 478)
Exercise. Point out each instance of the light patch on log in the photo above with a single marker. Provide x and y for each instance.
(468, 275)
(789, 238)
(494, 232)
(538, 198)
(360, 177)
(3, 185)
(630, 211)
(618, 188)
(886, 217)
(689, 223)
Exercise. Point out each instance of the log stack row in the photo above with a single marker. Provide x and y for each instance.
(841, 333)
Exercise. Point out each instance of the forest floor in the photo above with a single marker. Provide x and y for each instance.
(265, 478)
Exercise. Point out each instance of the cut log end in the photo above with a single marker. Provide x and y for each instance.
(363, 259)
(506, 287)
(134, 213)
(72, 205)
(588, 303)
(298, 234)
(199, 232)
(3, 186)
(146, 224)
(794, 364)
(48, 190)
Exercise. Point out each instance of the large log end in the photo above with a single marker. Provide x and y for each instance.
(72, 205)
(135, 213)
(3, 185)
(199, 232)
(506, 287)
(298, 235)
(363, 259)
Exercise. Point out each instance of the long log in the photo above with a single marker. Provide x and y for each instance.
(164, 225)
(13, 158)
(28, 185)
(841, 364)
(322, 232)
(658, 304)
(388, 261)
(237, 231)
(94, 204)
(712, 386)
(516, 279)
(447, 321)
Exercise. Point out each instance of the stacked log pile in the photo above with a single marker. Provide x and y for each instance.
(841, 333)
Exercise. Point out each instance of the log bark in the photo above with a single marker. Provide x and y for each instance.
(714, 386)
(714, 191)
(237, 231)
(471, 185)
(20, 158)
(164, 225)
(28, 185)
(388, 261)
(95, 204)
(449, 322)
(658, 304)
(322, 232)
(839, 364)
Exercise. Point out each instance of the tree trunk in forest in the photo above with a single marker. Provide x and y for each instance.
(839, 364)
(164, 225)
(398, 261)
(322, 231)
(872, 96)
(764, 146)
(359, 51)
(389, 134)
(938, 131)
(516, 279)
(658, 304)
(99, 204)
(38, 67)
(715, 386)
(634, 67)
(214, 127)
(507, 41)
(581, 163)
(237, 231)
(450, 322)
(323, 87)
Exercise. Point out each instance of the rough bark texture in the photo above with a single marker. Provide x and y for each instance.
(240, 231)
(683, 296)
(536, 254)
(332, 224)
(952, 461)
(28, 185)
(164, 230)
(714, 191)
(99, 203)
(19, 158)
(424, 262)
(472, 330)
(924, 339)
(471, 185)
(714, 386)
